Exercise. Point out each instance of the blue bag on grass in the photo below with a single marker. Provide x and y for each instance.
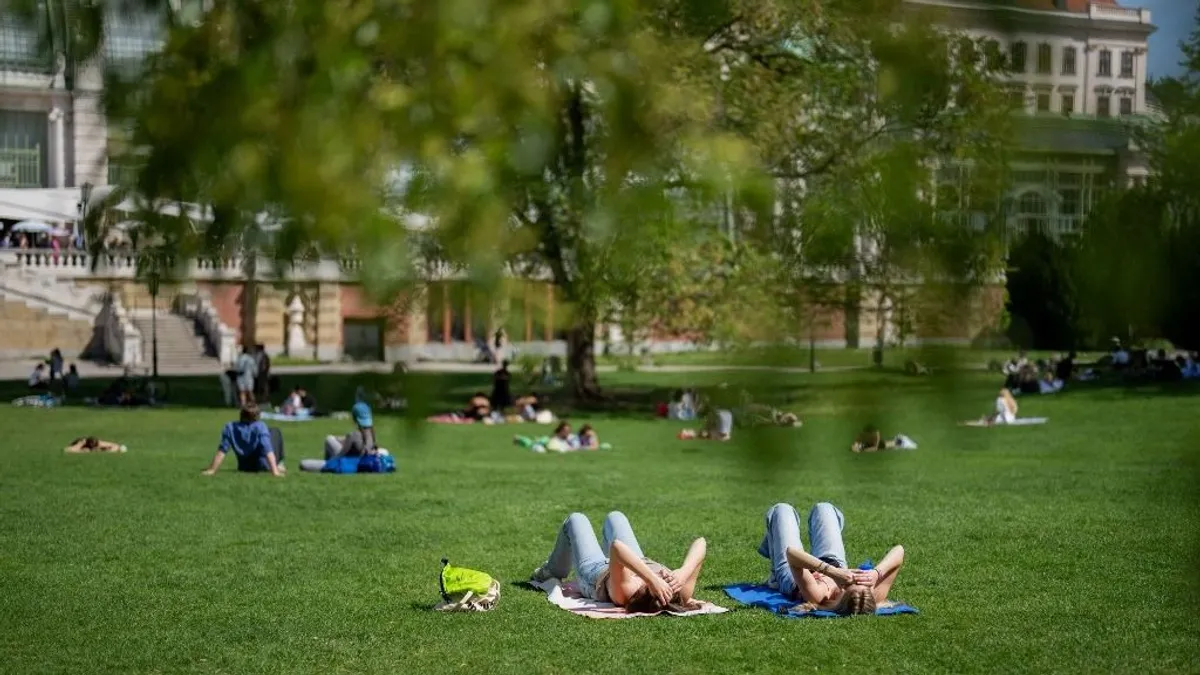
(376, 463)
(341, 465)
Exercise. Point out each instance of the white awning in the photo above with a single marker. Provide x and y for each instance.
(46, 204)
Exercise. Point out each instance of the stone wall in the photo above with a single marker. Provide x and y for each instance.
(404, 320)
(34, 332)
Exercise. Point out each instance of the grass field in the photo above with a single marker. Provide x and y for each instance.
(1065, 548)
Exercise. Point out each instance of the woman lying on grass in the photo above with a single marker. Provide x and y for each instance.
(618, 572)
(820, 580)
(81, 446)
(871, 440)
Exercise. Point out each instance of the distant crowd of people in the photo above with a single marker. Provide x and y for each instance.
(1049, 376)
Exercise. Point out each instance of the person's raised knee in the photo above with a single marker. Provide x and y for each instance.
(615, 515)
(824, 506)
(780, 508)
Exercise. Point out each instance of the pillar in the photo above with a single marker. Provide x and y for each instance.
(549, 312)
(447, 324)
(528, 314)
(467, 318)
(58, 157)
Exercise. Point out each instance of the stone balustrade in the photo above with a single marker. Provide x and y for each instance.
(1115, 13)
(123, 265)
(122, 341)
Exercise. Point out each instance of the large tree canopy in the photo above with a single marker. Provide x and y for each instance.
(1151, 233)
(600, 142)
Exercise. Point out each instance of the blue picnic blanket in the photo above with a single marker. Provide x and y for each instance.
(765, 597)
(280, 417)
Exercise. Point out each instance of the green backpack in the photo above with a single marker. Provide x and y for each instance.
(465, 590)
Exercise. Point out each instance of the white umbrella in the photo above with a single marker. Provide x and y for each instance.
(33, 226)
(126, 225)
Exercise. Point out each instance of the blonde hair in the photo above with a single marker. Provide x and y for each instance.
(1009, 400)
(856, 599)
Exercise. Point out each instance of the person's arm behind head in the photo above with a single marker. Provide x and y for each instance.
(623, 560)
(689, 572)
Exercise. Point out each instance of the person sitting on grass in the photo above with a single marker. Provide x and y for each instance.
(718, 427)
(1005, 410)
(1064, 368)
(249, 439)
(357, 443)
(81, 446)
(71, 381)
(299, 403)
(821, 580)
(871, 440)
(38, 379)
(1049, 384)
(617, 571)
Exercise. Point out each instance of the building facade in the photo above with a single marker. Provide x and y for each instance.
(1076, 75)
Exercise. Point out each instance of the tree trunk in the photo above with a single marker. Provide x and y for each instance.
(581, 361)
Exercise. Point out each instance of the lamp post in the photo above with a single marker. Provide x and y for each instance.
(152, 281)
(85, 196)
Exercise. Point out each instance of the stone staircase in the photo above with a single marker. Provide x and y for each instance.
(181, 346)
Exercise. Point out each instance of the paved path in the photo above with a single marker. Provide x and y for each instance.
(19, 370)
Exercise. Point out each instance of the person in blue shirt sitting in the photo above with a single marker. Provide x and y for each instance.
(250, 440)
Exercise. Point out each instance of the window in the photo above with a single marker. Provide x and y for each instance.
(993, 55)
(130, 39)
(1104, 69)
(1068, 61)
(1069, 202)
(19, 45)
(1031, 213)
(1126, 105)
(1068, 104)
(1043, 102)
(24, 139)
(1127, 64)
(1044, 58)
(1016, 98)
(1102, 106)
(1016, 57)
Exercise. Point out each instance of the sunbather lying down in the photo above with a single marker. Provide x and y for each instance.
(81, 446)
(757, 414)
(821, 580)
(618, 571)
(870, 440)
(563, 440)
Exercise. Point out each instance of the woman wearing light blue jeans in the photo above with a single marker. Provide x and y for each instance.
(618, 571)
(821, 579)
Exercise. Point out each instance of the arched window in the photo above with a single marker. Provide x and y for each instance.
(1032, 213)
(1032, 204)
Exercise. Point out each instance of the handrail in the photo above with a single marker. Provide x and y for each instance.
(198, 307)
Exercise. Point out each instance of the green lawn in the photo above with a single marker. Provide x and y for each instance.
(1066, 548)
